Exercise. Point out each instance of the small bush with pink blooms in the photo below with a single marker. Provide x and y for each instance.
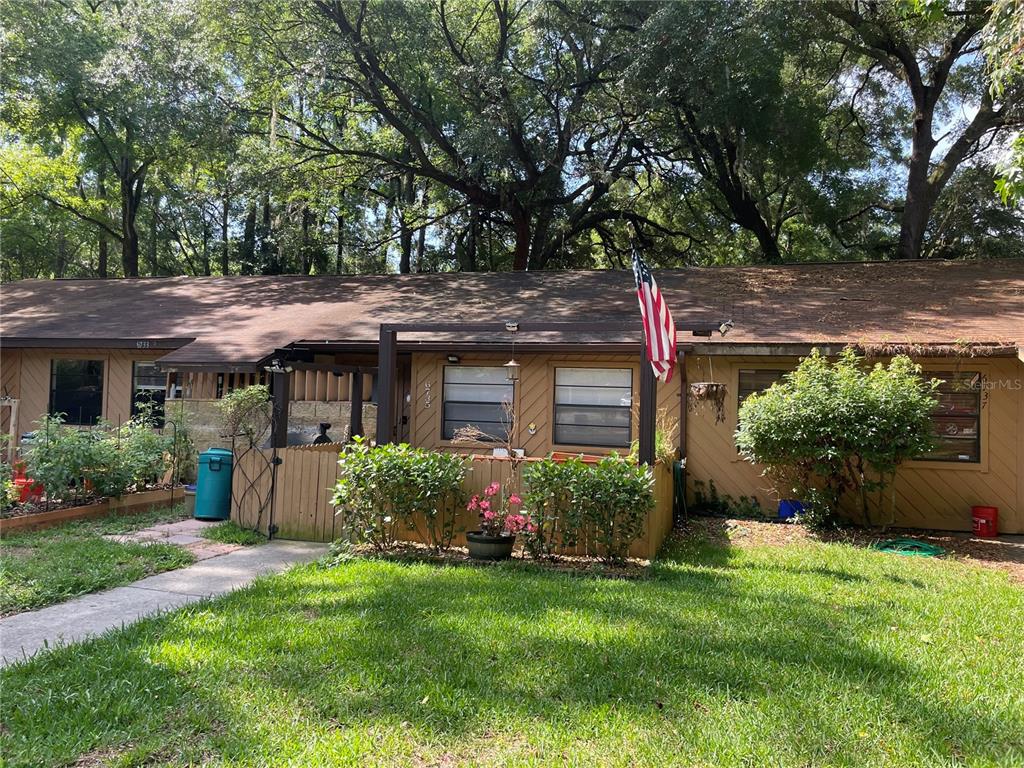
(500, 511)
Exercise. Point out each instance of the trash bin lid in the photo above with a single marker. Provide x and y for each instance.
(221, 454)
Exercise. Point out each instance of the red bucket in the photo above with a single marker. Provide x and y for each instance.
(986, 521)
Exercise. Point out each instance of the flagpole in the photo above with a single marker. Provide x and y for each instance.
(648, 408)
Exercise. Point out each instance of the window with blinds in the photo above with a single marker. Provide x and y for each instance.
(593, 407)
(475, 396)
(956, 420)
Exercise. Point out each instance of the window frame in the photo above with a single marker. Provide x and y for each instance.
(102, 388)
(133, 409)
(979, 417)
(445, 440)
(599, 366)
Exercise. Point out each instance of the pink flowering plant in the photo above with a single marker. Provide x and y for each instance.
(500, 511)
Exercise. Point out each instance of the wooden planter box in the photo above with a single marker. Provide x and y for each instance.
(125, 505)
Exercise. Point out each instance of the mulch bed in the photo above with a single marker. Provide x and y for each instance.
(1001, 554)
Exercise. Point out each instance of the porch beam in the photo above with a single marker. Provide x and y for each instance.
(648, 408)
(279, 408)
(387, 363)
(356, 403)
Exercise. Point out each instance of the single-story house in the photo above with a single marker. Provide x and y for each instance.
(92, 349)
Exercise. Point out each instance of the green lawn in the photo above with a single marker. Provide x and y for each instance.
(231, 532)
(39, 568)
(809, 655)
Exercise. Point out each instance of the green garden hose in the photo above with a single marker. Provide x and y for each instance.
(911, 547)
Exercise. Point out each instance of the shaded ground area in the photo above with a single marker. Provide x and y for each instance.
(1004, 554)
(795, 655)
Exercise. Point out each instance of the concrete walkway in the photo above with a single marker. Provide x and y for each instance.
(25, 634)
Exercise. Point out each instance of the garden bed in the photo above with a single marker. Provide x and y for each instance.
(127, 504)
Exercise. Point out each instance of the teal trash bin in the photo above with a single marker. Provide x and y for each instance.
(213, 487)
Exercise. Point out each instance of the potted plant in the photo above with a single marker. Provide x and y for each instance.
(499, 524)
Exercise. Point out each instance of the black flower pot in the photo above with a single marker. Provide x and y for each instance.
(485, 547)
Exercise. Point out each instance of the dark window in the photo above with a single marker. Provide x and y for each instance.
(593, 407)
(76, 390)
(149, 386)
(476, 396)
(956, 420)
(753, 380)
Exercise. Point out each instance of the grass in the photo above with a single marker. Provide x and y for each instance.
(231, 532)
(40, 568)
(806, 655)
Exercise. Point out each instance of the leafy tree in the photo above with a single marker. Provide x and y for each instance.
(131, 76)
(931, 49)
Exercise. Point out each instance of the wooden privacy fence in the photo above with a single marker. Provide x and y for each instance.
(304, 484)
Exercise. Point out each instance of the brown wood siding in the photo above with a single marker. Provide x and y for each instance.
(34, 381)
(929, 494)
(10, 383)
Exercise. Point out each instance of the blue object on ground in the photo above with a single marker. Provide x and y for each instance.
(213, 486)
(790, 508)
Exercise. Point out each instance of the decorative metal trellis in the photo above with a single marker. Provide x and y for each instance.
(253, 466)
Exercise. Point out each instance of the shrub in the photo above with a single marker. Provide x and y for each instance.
(382, 487)
(246, 412)
(551, 488)
(613, 497)
(832, 428)
(618, 496)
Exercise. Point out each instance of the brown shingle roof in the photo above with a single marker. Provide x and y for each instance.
(239, 320)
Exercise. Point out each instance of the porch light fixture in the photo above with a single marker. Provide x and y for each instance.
(512, 370)
(725, 327)
(276, 367)
(453, 359)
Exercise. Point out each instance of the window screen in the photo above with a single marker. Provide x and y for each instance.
(76, 390)
(956, 420)
(593, 406)
(474, 396)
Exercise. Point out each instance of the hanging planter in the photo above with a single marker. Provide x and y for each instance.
(711, 393)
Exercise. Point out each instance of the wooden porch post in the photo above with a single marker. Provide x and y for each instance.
(387, 362)
(648, 408)
(683, 392)
(356, 402)
(279, 435)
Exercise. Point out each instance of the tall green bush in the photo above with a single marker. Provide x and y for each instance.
(246, 412)
(551, 489)
(834, 428)
(383, 487)
(563, 498)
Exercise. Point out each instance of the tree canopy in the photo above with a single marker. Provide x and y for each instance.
(264, 137)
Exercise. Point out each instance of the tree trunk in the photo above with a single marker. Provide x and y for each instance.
(468, 261)
(307, 260)
(61, 257)
(225, 243)
(407, 200)
(247, 257)
(521, 222)
(154, 269)
(103, 246)
(421, 242)
(131, 191)
(917, 208)
(206, 248)
(266, 267)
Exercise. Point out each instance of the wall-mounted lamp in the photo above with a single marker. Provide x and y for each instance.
(725, 327)
(453, 359)
(512, 370)
(276, 367)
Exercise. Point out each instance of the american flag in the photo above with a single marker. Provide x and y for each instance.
(659, 327)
